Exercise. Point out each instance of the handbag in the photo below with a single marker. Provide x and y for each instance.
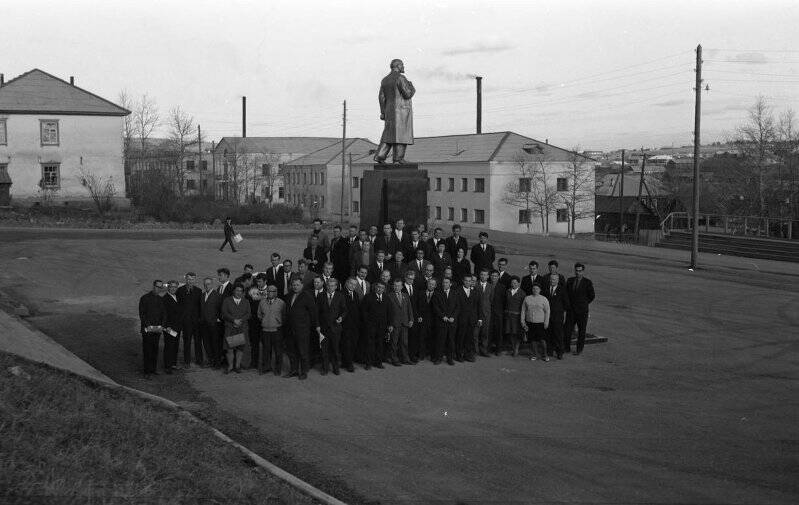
(236, 340)
(237, 238)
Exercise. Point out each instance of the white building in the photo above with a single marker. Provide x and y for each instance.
(489, 181)
(51, 133)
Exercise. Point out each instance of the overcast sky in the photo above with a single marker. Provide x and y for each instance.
(600, 75)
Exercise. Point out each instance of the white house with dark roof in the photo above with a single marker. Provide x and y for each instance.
(250, 168)
(478, 181)
(314, 181)
(52, 132)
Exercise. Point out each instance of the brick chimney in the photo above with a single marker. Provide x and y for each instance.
(72, 80)
(2, 79)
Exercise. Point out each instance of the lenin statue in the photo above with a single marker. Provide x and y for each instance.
(396, 111)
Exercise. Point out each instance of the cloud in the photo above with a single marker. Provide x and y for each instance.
(670, 103)
(442, 73)
(479, 47)
(751, 58)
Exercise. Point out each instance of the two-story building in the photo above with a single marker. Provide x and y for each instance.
(53, 133)
(496, 181)
(314, 181)
(250, 168)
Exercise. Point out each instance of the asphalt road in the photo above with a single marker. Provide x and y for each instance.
(692, 400)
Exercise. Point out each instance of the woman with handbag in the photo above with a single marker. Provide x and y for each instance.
(235, 315)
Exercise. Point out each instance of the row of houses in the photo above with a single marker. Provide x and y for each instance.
(52, 133)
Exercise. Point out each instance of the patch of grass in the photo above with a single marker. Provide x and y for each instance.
(64, 437)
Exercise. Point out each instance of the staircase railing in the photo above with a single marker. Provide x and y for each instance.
(744, 226)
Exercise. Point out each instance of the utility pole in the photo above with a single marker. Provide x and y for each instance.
(343, 150)
(697, 116)
(349, 185)
(213, 167)
(640, 189)
(621, 195)
(200, 160)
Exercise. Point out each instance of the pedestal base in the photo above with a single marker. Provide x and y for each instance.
(391, 192)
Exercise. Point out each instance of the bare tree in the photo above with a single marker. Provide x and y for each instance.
(145, 119)
(788, 150)
(181, 136)
(267, 172)
(101, 189)
(533, 190)
(579, 175)
(756, 139)
(128, 132)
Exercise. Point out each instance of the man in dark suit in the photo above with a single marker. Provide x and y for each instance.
(374, 313)
(414, 244)
(302, 318)
(274, 275)
(361, 252)
(210, 307)
(152, 317)
(504, 276)
(225, 286)
(340, 254)
(552, 266)
(189, 296)
(376, 269)
(558, 307)
(447, 312)
(397, 266)
(172, 327)
(315, 255)
(485, 294)
(229, 233)
(425, 321)
(314, 344)
(534, 278)
(402, 237)
(351, 326)
(435, 239)
(287, 274)
(497, 312)
(387, 242)
(483, 254)
(441, 259)
(455, 242)
(333, 310)
(419, 264)
(580, 291)
(400, 321)
(470, 308)
(304, 274)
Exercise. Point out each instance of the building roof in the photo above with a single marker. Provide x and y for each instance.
(484, 147)
(357, 147)
(283, 145)
(37, 92)
(608, 185)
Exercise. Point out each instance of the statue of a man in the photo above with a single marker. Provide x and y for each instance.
(396, 111)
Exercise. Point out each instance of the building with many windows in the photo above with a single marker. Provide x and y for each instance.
(53, 135)
(313, 182)
(250, 168)
(499, 181)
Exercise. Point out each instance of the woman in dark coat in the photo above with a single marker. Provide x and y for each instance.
(513, 310)
(236, 316)
(461, 267)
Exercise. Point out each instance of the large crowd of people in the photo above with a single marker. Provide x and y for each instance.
(361, 296)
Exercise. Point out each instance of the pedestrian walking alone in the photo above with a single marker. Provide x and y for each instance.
(229, 233)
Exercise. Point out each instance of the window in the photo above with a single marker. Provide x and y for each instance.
(479, 216)
(356, 206)
(3, 135)
(356, 183)
(563, 184)
(204, 165)
(438, 183)
(464, 215)
(281, 193)
(49, 132)
(191, 184)
(189, 164)
(438, 212)
(562, 215)
(479, 185)
(524, 216)
(450, 214)
(266, 170)
(464, 184)
(51, 176)
(524, 185)
(322, 178)
(451, 184)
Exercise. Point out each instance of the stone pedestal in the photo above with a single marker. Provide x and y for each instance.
(391, 192)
